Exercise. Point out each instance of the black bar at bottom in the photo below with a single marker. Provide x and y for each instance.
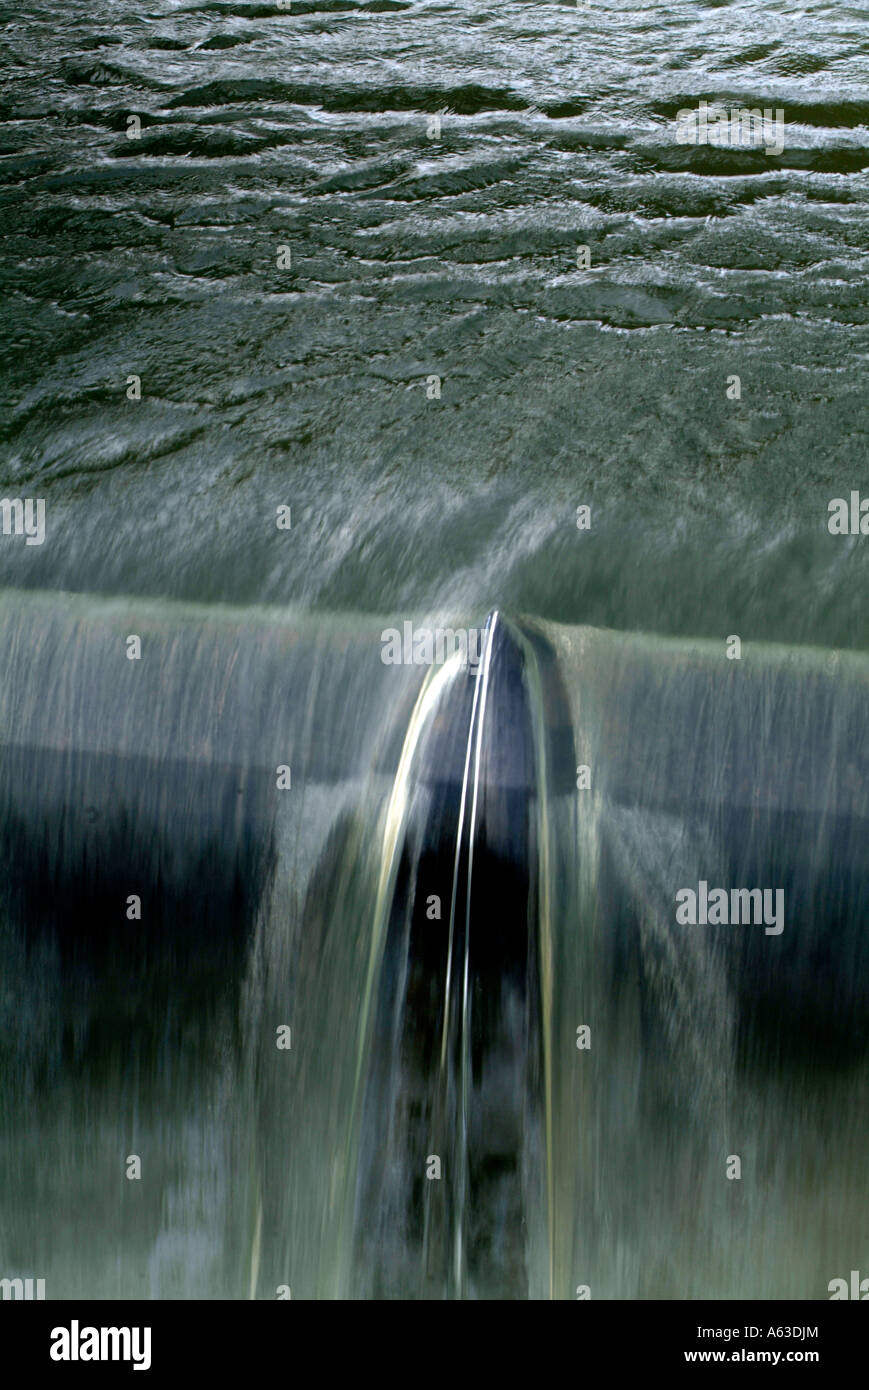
(300, 1339)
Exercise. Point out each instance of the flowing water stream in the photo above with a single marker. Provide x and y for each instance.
(330, 205)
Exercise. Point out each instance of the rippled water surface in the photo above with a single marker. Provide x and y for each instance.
(343, 261)
(454, 256)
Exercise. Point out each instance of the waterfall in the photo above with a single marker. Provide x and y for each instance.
(375, 965)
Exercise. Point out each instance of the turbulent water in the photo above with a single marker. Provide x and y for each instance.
(341, 260)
